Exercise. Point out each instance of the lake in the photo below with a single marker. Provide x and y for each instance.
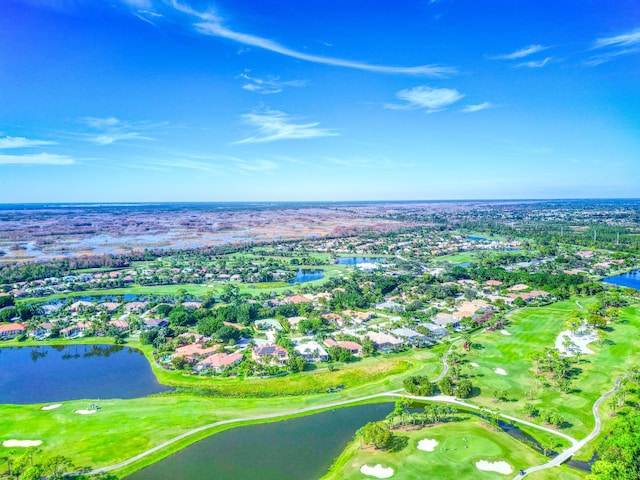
(357, 260)
(307, 275)
(629, 279)
(59, 373)
(300, 448)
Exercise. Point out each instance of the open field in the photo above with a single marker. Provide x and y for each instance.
(533, 329)
(450, 459)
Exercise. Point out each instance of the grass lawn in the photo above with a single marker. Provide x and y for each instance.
(449, 460)
(463, 257)
(533, 329)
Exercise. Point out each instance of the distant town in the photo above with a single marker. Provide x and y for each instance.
(492, 306)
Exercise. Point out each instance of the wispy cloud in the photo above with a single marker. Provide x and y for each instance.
(36, 159)
(523, 52)
(110, 130)
(272, 125)
(211, 24)
(22, 142)
(625, 40)
(269, 85)
(614, 46)
(477, 107)
(535, 63)
(423, 97)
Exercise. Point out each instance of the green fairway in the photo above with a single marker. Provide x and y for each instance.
(533, 329)
(449, 460)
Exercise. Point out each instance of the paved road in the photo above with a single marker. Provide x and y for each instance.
(568, 453)
(456, 401)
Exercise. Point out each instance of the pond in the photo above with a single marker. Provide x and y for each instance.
(629, 279)
(476, 239)
(300, 448)
(357, 260)
(59, 373)
(307, 275)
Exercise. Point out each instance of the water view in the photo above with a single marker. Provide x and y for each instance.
(357, 260)
(307, 276)
(300, 448)
(629, 279)
(58, 373)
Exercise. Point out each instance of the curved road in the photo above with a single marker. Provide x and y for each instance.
(568, 453)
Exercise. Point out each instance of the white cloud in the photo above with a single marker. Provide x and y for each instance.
(110, 130)
(630, 39)
(523, 52)
(269, 85)
(430, 99)
(211, 24)
(143, 4)
(36, 159)
(535, 63)
(615, 46)
(22, 142)
(272, 125)
(478, 107)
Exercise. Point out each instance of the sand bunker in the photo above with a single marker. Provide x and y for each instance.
(500, 467)
(85, 412)
(578, 342)
(504, 332)
(428, 445)
(378, 471)
(500, 371)
(474, 364)
(51, 407)
(21, 443)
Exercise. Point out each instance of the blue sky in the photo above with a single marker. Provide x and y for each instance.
(233, 100)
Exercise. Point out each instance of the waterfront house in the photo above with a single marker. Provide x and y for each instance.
(219, 361)
(11, 330)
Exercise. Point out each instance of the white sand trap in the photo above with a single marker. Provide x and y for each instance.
(504, 332)
(21, 443)
(474, 364)
(428, 445)
(500, 467)
(85, 412)
(500, 371)
(579, 341)
(378, 471)
(51, 407)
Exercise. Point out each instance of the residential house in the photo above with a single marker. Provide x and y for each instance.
(193, 352)
(150, 323)
(354, 347)
(312, 352)
(446, 319)
(11, 330)
(219, 361)
(410, 336)
(119, 324)
(270, 355)
(76, 330)
(435, 330)
(384, 341)
(296, 299)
